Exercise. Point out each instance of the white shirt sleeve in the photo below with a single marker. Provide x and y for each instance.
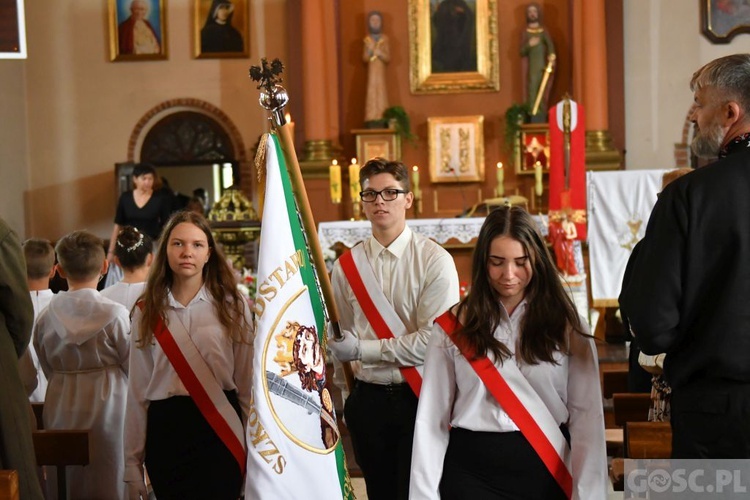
(431, 432)
(141, 370)
(586, 422)
(439, 293)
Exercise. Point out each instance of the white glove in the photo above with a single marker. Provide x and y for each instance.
(137, 490)
(346, 348)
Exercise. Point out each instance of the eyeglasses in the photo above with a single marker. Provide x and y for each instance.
(370, 196)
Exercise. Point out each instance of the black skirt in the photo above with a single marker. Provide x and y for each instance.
(185, 459)
(495, 466)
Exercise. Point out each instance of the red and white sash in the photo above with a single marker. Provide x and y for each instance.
(203, 388)
(378, 311)
(523, 405)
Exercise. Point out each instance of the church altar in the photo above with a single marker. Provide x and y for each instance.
(462, 229)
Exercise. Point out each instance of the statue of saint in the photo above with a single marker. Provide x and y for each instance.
(538, 52)
(376, 54)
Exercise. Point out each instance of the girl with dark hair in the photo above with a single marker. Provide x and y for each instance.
(191, 333)
(511, 359)
(134, 252)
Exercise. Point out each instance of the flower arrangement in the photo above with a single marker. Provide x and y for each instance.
(463, 289)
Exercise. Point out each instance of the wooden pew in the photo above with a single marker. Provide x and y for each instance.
(614, 381)
(631, 407)
(648, 440)
(61, 448)
(644, 440)
(8, 485)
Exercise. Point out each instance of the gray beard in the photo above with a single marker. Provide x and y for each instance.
(707, 144)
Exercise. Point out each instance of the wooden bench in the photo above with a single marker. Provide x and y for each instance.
(61, 448)
(644, 440)
(614, 381)
(630, 407)
(8, 485)
(648, 439)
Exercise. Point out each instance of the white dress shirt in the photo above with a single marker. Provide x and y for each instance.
(453, 395)
(153, 378)
(419, 278)
(124, 293)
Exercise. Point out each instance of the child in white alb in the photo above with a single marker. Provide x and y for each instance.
(82, 340)
(40, 268)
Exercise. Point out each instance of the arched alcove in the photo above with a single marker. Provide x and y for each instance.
(189, 132)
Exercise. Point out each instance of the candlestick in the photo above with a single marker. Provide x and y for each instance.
(354, 187)
(288, 117)
(415, 182)
(538, 177)
(500, 187)
(334, 174)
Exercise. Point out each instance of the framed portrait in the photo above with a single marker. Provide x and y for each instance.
(137, 30)
(13, 32)
(374, 142)
(723, 19)
(453, 46)
(533, 147)
(221, 28)
(456, 148)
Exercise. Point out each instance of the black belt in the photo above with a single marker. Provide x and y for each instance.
(387, 388)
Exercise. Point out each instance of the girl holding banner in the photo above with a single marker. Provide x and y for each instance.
(511, 405)
(190, 371)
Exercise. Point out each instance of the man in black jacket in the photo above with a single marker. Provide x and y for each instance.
(689, 290)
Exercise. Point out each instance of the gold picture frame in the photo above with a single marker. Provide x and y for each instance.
(456, 148)
(453, 63)
(532, 146)
(377, 143)
(148, 41)
(228, 39)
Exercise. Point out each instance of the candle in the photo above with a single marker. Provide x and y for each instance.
(500, 188)
(415, 181)
(334, 173)
(354, 187)
(538, 177)
(289, 122)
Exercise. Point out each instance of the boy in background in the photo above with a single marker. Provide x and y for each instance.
(83, 346)
(40, 268)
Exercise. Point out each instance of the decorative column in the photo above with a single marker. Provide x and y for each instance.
(320, 87)
(590, 82)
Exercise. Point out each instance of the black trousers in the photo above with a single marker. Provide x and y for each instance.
(380, 419)
(495, 466)
(711, 419)
(185, 459)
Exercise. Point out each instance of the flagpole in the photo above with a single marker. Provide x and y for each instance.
(274, 98)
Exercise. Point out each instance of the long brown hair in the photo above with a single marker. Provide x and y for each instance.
(550, 311)
(217, 278)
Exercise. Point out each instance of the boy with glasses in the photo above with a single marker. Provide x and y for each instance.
(388, 289)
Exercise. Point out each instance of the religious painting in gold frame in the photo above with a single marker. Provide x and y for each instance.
(456, 148)
(453, 46)
(137, 30)
(532, 146)
(221, 29)
(377, 143)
